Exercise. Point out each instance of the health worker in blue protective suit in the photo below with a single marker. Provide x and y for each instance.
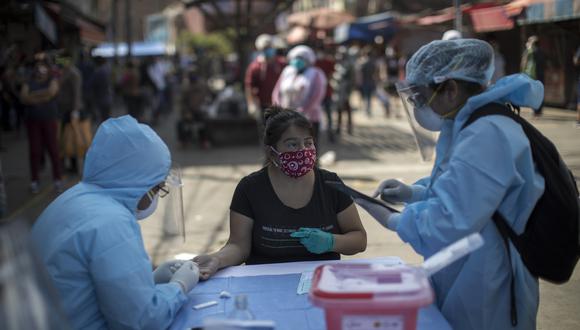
(484, 167)
(91, 244)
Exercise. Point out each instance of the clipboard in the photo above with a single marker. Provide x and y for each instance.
(357, 194)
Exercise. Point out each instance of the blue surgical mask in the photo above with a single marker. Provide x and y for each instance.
(298, 63)
(142, 214)
(428, 119)
(269, 52)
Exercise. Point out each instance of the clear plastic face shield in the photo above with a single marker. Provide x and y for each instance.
(171, 205)
(413, 97)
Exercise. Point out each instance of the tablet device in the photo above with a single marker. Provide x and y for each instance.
(357, 194)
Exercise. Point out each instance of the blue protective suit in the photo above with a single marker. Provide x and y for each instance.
(90, 241)
(485, 167)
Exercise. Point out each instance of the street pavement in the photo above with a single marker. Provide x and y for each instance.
(379, 148)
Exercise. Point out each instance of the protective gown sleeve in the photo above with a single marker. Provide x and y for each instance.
(466, 193)
(123, 278)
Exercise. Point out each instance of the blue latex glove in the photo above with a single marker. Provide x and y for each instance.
(315, 240)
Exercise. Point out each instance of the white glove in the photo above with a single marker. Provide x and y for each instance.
(186, 276)
(385, 217)
(394, 191)
(164, 272)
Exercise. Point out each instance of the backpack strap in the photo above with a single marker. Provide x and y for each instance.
(508, 110)
(505, 231)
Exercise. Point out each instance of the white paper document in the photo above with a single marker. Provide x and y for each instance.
(296, 267)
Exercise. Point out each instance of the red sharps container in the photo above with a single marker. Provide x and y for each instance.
(370, 296)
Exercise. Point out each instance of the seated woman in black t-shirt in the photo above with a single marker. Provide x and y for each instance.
(284, 212)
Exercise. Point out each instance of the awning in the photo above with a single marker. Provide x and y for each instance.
(491, 19)
(444, 15)
(138, 48)
(89, 32)
(448, 14)
(542, 11)
(320, 18)
(367, 29)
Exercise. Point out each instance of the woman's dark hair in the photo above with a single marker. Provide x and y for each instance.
(277, 120)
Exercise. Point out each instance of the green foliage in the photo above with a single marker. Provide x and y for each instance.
(216, 43)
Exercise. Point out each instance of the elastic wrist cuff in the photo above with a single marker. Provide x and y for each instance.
(393, 222)
(331, 242)
(181, 285)
(417, 193)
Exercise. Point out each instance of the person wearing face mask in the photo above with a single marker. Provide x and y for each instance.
(533, 64)
(302, 86)
(39, 95)
(262, 74)
(91, 244)
(479, 169)
(284, 212)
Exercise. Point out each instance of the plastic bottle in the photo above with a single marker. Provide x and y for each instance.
(241, 310)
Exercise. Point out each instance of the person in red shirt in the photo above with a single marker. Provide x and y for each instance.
(262, 75)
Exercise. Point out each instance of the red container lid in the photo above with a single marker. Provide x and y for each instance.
(386, 285)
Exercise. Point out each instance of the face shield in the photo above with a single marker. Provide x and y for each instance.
(413, 98)
(171, 203)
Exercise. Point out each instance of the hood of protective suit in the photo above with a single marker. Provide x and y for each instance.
(518, 89)
(126, 159)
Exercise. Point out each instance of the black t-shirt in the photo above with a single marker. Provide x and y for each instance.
(255, 198)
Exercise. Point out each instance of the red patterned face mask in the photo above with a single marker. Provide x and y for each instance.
(296, 163)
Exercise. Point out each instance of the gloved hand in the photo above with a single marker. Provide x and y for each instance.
(186, 276)
(385, 217)
(394, 191)
(164, 272)
(208, 265)
(315, 240)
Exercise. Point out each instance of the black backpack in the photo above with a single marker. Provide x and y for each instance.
(550, 243)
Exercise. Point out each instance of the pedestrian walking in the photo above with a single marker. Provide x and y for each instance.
(75, 129)
(343, 83)
(302, 86)
(39, 95)
(132, 92)
(576, 61)
(102, 90)
(326, 62)
(262, 74)
(366, 77)
(533, 64)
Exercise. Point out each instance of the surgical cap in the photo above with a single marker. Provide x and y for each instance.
(304, 52)
(263, 41)
(461, 59)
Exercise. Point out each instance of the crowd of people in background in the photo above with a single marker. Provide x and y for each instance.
(321, 79)
(60, 97)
